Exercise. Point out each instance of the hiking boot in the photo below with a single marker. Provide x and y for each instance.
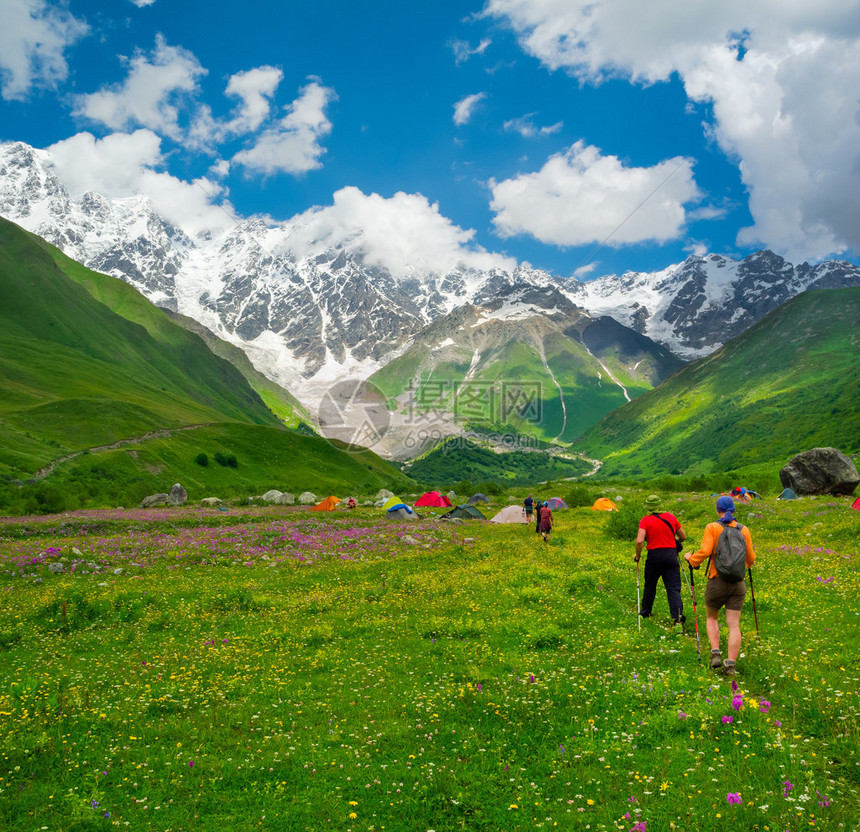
(729, 669)
(716, 659)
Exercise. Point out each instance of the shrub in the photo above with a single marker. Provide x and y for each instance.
(202, 459)
(624, 523)
(579, 496)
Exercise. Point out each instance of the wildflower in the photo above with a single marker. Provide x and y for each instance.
(733, 799)
(681, 715)
(787, 786)
(764, 706)
(825, 801)
(640, 827)
(738, 702)
(777, 723)
(734, 686)
(531, 678)
(353, 815)
(728, 719)
(191, 764)
(479, 687)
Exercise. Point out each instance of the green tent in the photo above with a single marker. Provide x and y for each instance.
(464, 512)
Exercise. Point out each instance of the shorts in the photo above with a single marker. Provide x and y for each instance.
(720, 593)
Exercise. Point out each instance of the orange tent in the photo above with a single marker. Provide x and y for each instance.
(328, 504)
(603, 504)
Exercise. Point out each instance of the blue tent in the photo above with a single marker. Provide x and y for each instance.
(788, 494)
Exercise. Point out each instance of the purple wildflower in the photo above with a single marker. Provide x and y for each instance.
(728, 719)
(733, 799)
(786, 787)
(738, 702)
(764, 706)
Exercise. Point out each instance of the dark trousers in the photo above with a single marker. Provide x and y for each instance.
(663, 563)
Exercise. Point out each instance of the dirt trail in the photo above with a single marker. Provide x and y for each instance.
(162, 433)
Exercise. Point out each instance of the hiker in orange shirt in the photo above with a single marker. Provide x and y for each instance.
(720, 592)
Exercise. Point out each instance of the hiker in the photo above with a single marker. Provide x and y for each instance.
(528, 504)
(728, 590)
(545, 523)
(660, 532)
(351, 503)
(538, 511)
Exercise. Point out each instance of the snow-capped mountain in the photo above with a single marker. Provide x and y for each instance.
(308, 320)
(694, 307)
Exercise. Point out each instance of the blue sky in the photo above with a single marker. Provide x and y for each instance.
(583, 138)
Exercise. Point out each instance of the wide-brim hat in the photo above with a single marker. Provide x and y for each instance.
(653, 503)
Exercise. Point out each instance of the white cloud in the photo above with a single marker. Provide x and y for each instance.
(126, 164)
(33, 40)
(255, 87)
(581, 197)
(463, 50)
(782, 78)
(525, 126)
(152, 95)
(464, 108)
(293, 145)
(402, 233)
(142, 3)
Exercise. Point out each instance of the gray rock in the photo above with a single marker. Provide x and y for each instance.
(287, 499)
(383, 494)
(118, 571)
(820, 471)
(178, 495)
(273, 496)
(56, 568)
(308, 499)
(212, 501)
(155, 500)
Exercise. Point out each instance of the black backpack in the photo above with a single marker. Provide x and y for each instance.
(730, 557)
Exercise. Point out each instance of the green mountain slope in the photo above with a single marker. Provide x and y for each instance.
(789, 383)
(545, 375)
(75, 376)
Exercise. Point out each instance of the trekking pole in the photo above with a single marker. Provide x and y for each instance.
(638, 606)
(692, 583)
(752, 592)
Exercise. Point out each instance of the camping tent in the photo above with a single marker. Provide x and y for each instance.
(433, 499)
(511, 514)
(328, 504)
(604, 504)
(477, 498)
(391, 501)
(463, 512)
(788, 494)
(856, 504)
(401, 513)
(555, 503)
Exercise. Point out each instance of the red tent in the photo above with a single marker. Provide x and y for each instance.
(856, 504)
(433, 499)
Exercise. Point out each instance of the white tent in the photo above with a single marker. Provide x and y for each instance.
(511, 514)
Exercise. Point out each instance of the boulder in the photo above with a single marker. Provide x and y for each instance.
(383, 494)
(212, 501)
(820, 471)
(155, 500)
(286, 499)
(272, 496)
(178, 495)
(308, 499)
(56, 568)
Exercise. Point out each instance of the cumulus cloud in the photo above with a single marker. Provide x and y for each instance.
(582, 196)
(33, 40)
(525, 126)
(123, 164)
(142, 3)
(464, 108)
(152, 94)
(293, 144)
(782, 79)
(402, 233)
(255, 87)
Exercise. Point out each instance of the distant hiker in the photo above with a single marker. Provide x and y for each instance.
(729, 547)
(661, 532)
(351, 503)
(545, 523)
(529, 504)
(538, 511)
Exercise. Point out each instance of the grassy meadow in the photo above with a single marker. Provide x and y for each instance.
(276, 669)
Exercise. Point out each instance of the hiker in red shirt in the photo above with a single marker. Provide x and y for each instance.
(660, 531)
(720, 593)
(545, 523)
